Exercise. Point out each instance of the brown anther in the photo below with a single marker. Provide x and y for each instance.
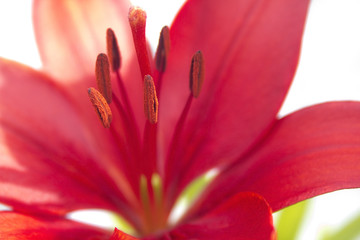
(102, 108)
(137, 20)
(113, 50)
(102, 73)
(197, 73)
(163, 49)
(150, 100)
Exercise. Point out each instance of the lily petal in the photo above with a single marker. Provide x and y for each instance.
(244, 216)
(71, 33)
(17, 226)
(310, 152)
(53, 155)
(251, 51)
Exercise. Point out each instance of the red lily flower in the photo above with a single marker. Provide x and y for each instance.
(57, 157)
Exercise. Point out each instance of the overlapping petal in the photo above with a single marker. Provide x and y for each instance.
(251, 50)
(47, 152)
(71, 33)
(21, 227)
(308, 153)
(245, 216)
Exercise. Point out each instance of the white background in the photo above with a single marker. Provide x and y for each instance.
(329, 70)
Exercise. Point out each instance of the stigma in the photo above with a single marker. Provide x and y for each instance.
(137, 20)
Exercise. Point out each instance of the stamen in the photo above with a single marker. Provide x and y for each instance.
(137, 20)
(144, 192)
(150, 100)
(156, 183)
(102, 108)
(196, 81)
(197, 73)
(113, 50)
(163, 49)
(159, 214)
(102, 73)
(145, 200)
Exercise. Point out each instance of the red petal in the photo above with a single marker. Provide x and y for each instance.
(18, 226)
(308, 153)
(119, 235)
(244, 216)
(251, 50)
(47, 153)
(71, 33)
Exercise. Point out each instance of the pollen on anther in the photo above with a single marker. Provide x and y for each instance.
(197, 73)
(113, 50)
(163, 49)
(150, 100)
(102, 73)
(101, 107)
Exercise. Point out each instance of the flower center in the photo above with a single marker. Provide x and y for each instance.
(140, 155)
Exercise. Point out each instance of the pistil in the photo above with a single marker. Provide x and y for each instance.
(137, 20)
(147, 163)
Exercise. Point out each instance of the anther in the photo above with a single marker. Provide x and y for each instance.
(163, 49)
(197, 73)
(102, 73)
(102, 108)
(113, 50)
(150, 100)
(137, 20)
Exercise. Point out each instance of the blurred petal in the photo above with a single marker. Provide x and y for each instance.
(251, 51)
(49, 183)
(70, 33)
(310, 152)
(17, 226)
(244, 216)
(47, 152)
